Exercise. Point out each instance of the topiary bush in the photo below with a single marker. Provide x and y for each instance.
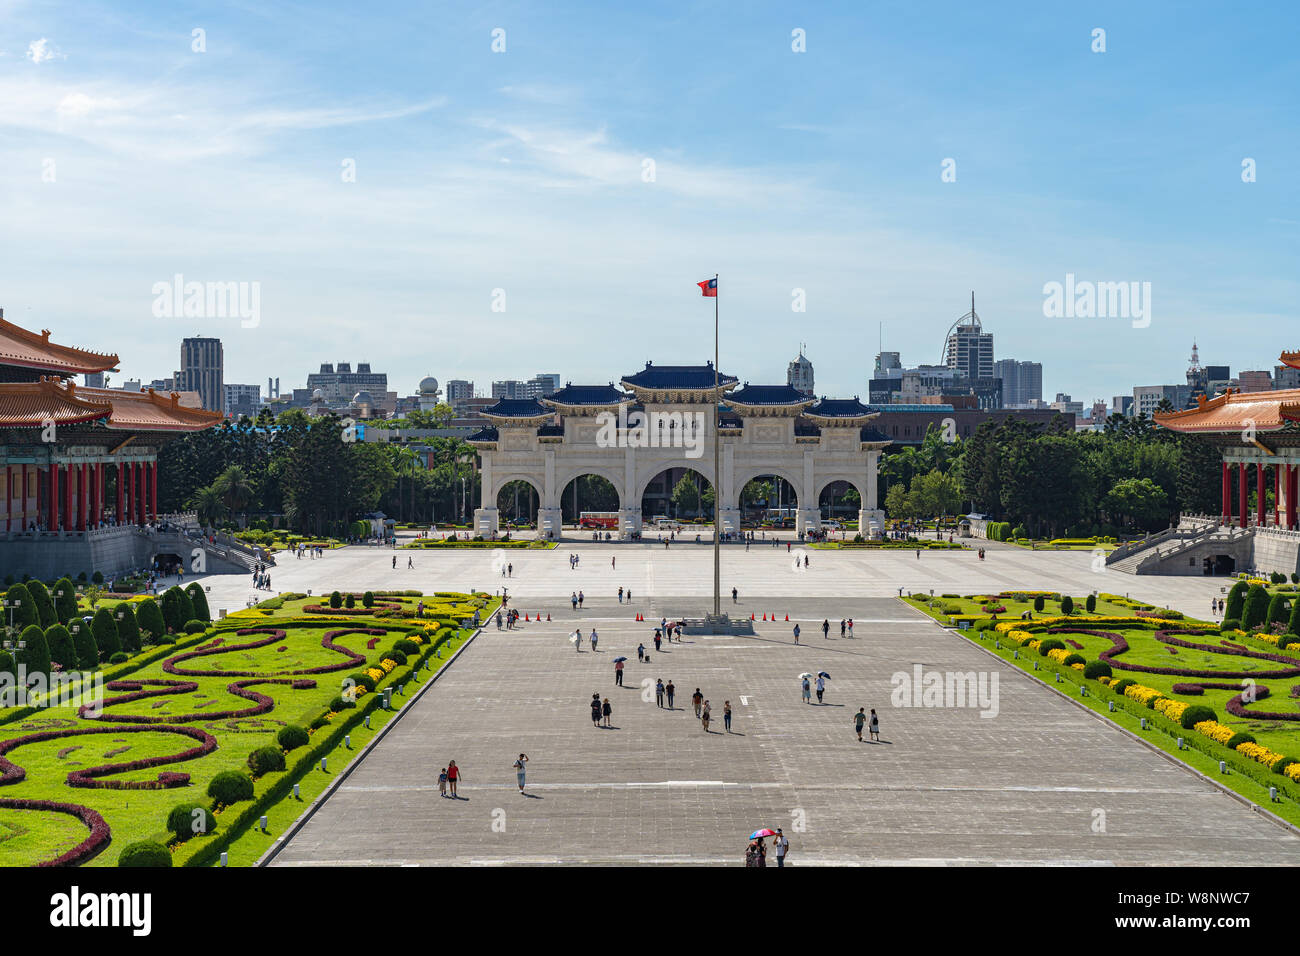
(339, 704)
(265, 760)
(1239, 738)
(196, 627)
(336, 599)
(1278, 612)
(199, 602)
(368, 599)
(1073, 659)
(291, 737)
(6, 662)
(121, 657)
(150, 618)
(1195, 714)
(1051, 644)
(128, 629)
(230, 786)
(65, 600)
(36, 653)
(1256, 607)
(190, 820)
(145, 853)
(46, 615)
(1039, 603)
(1090, 603)
(19, 604)
(1094, 669)
(396, 656)
(349, 601)
(104, 628)
(84, 641)
(62, 651)
(1236, 601)
(1067, 604)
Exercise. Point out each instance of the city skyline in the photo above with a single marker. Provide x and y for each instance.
(481, 179)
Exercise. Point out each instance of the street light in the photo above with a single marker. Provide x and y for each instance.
(11, 605)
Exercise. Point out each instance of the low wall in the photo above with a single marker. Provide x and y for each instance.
(1277, 551)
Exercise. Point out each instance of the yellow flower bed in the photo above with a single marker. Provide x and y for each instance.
(1293, 771)
(1077, 666)
(1259, 753)
(1146, 696)
(1059, 654)
(1173, 709)
(1032, 645)
(1215, 730)
(376, 673)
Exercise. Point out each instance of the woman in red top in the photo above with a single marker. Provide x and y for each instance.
(453, 777)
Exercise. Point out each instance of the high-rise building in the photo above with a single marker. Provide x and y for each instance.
(1284, 376)
(541, 384)
(969, 349)
(459, 392)
(339, 384)
(202, 370)
(1146, 398)
(1022, 382)
(1255, 381)
(799, 375)
(242, 400)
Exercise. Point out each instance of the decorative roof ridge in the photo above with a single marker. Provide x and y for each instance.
(43, 339)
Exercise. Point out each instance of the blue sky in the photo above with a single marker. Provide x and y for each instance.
(522, 171)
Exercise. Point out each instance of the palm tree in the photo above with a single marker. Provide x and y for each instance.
(209, 506)
(234, 488)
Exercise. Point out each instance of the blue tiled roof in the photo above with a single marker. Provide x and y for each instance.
(766, 395)
(839, 408)
(484, 434)
(517, 408)
(588, 395)
(911, 408)
(676, 376)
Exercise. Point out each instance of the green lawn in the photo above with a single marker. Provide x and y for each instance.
(176, 716)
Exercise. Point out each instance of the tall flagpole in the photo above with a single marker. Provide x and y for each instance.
(717, 474)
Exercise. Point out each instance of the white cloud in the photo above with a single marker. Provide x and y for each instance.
(40, 51)
(80, 104)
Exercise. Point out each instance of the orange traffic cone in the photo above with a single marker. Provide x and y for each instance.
(787, 617)
(765, 615)
(751, 616)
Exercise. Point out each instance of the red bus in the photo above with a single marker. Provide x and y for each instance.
(598, 519)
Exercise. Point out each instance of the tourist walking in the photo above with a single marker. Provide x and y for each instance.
(606, 711)
(821, 687)
(593, 640)
(620, 595)
(640, 653)
(453, 777)
(519, 770)
(442, 783)
(659, 692)
(670, 690)
(726, 715)
(618, 673)
(826, 630)
(658, 639)
(796, 633)
(859, 719)
(705, 714)
(875, 725)
(843, 625)
(595, 710)
(850, 628)
(576, 637)
(573, 599)
(696, 700)
(807, 691)
(581, 598)
(734, 594)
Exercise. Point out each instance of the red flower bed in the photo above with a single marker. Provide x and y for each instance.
(261, 703)
(274, 635)
(1236, 706)
(1120, 645)
(12, 773)
(87, 849)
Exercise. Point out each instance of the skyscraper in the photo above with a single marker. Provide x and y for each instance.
(799, 374)
(202, 370)
(969, 349)
(1022, 382)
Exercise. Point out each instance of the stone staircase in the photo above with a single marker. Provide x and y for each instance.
(1181, 549)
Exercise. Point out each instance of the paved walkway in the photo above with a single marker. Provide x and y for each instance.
(1030, 785)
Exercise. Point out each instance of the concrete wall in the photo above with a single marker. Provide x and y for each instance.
(112, 551)
(1277, 550)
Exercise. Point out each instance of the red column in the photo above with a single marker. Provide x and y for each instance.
(1259, 494)
(23, 498)
(80, 471)
(1293, 486)
(153, 487)
(54, 496)
(1277, 496)
(138, 487)
(95, 473)
(1225, 512)
(1243, 502)
(121, 495)
(130, 494)
(9, 499)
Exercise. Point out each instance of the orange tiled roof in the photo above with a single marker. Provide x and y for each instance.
(32, 404)
(149, 410)
(1234, 411)
(1290, 358)
(35, 350)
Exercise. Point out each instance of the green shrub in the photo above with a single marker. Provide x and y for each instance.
(1277, 609)
(1195, 714)
(340, 704)
(83, 639)
(1122, 684)
(362, 680)
(196, 627)
(189, 820)
(145, 853)
(319, 722)
(349, 601)
(231, 786)
(368, 599)
(19, 603)
(1039, 603)
(1094, 669)
(336, 599)
(1073, 659)
(199, 602)
(1236, 601)
(265, 760)
(36, 653)
(1256, 608)
(1090, 603)
(46, 614)
(1067, 604)
(1230, 624)
(65, 600)
(1051, 644)
(6, 662)
(397, 657)
(62, 651)
(150, 618)
(407, 647)
(128, 629)
(104, 628)
(121, 657)
(291, 737)
(97, 577)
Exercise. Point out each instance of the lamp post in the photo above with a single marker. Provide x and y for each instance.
(11, 606)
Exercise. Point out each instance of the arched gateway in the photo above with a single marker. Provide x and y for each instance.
(659, 420)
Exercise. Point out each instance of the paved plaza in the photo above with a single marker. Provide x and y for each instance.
(943, 785)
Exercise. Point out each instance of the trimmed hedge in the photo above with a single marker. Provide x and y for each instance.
(230, 786)
(145, 853)
(189, 820)
(266, 760)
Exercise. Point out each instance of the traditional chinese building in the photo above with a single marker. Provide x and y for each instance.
(80, 465)
(667, 417)
(1258, 437)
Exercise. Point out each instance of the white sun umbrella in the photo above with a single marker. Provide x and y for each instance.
(573, 638)
(805, 676)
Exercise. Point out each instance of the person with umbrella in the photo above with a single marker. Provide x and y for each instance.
(756, 855)
(821, 685)
(618, 671)
(576, 640)
(807, 687)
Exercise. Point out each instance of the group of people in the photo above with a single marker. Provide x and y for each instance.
(756, 852)
(576, 599)
(315, 551)
(261, 577)
(511, 616)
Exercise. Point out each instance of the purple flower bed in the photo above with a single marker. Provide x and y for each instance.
(87, 849)
(1236, 706)
(261, 703)
(11, 773)
(273, 635)
(1120, 645)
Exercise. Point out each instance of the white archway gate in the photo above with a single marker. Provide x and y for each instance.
(663, 422)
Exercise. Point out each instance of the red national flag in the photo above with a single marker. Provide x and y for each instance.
(709, 287)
